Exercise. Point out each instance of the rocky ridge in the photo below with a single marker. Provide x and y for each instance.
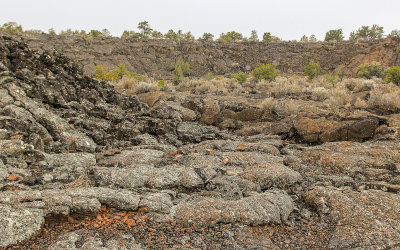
(156, 57)
(83, 166)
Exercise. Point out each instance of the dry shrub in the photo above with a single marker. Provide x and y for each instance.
(320, 93)
(144, 87)
(282, 107)
(386, 97)
(207, 87)
(268, 105)
(360, 103)
(125, 83)
(340, 97)
(283, 86)
(290, 108)
(359, 85)
(133, 86)
(203, 86)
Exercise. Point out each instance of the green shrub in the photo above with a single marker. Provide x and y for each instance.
(156, 34)
(313, 38)
(185, 67)
(93, 33)
(267, 37)
(369, 70)
(162, 85)
(12, 28)
(393, 75)
(52, 32)
(266, 72)
(178, 75)
(365, 32)
(121, 71)
(210, 75)
(145, 30)
(207, 37)
(105, 74)
(334, 35)
(104, 32)
(230, 37)
(339, 71)
(239, 77)
(312, 70)
(394, 34)
(304, 38)
(188, 36)
(254, 36)
(171, 35)
(181, 70)
(128, 33)
(331, 78)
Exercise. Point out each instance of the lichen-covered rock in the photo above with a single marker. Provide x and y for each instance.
(136, 156)
(56, 201)
(140, 176)
(17, 224)
(89, 240)
(232, 186)
(322, 130)
(3, 171)
(193, 132)
(258, 209)
(68, 167)
(271, 175)
(367, 219)
(158, 202)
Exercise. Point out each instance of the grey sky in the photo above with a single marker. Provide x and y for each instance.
(287, 19)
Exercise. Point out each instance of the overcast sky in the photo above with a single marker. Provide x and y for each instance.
(287, 19)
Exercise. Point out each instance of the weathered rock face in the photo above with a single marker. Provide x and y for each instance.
(100, 169)
(155, 57)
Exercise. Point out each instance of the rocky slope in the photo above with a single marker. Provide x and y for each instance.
(156, 57)
(83, 166)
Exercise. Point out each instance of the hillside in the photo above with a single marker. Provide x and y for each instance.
(155, 57)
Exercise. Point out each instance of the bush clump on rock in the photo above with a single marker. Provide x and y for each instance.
(369, 70)
(181, 70)
(239, 77)
(103, 73)
(393, 75)
(265, 72)
(313, 69)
